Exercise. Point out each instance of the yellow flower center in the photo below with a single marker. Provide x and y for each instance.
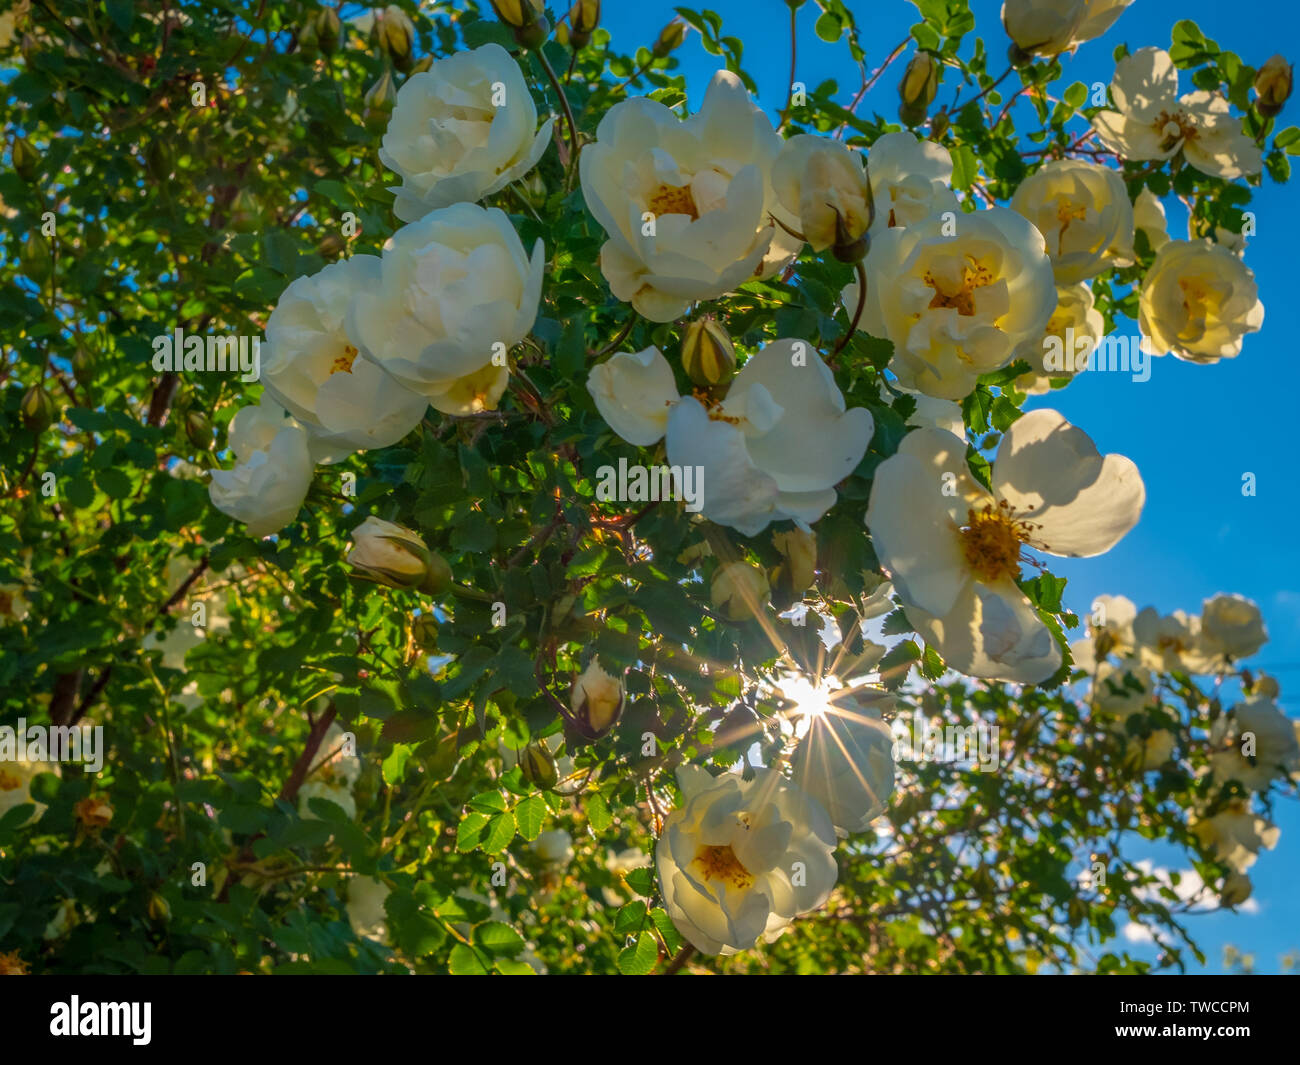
(974, 275)
(674, 199)
(343, 364)
(721, 863)
(9, 782)
(991, 542)
(1067, 212)
(1174, 127)
(1200, 300)
(12, 965)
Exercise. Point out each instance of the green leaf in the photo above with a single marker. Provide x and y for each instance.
(965, 168)
(639, 959)
(642, 881)
(631, 917)
(466, 962)
(470, 831)
(530, 815)
(492, 802)
(500, 833)
(598, 815)
(497, 938)
(829, 27)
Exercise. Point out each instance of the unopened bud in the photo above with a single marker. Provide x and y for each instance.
(938, 125)
(518, 14)
(396, 36)
(36, 259)
(380, 100)
(198, 429)
(918, 87)
(328, 30)
(538, 766)
(707, 353)
(596, 701)
(26, 158)
(159, 908)
(393, 555)
(330, 245)
(670, 38)
(38, 409)
(584, 17)
(425, 63)
(1272, 86)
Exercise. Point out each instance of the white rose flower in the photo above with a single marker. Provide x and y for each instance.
(16, 778)
(739, 860)
(366, 913)
(956, 305)
(1083, 211)
(1153, 122)
(1149, 217)
(845, 762)
(822, 183)
(909, 181)
(1171, 642)
(1233, 626)
(773, 449)
(461, 130)
(1073, 331)
(1235, 835)
(273, 471)
(1257, 744)
(1199, 301)
(1112, 616)
(311, 367)
(954, 549)
(554, 847)
(706, 182)
(394, 555)
(1043, 27)
(454, 285)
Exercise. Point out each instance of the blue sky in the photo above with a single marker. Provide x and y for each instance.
(1192, 430)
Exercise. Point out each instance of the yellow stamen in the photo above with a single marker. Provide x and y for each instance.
(343, 364)
(991, 542)
(974, 275)
(721, 863)
(9, 782)
(674, 199)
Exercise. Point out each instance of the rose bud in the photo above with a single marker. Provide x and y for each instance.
(38, 409)
(396, 36)
(538, 766)
(670, 38)
(397, 557)
(584, 17)
(1272, 86)
(597, 701)
(707, 352)
(916, 90)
